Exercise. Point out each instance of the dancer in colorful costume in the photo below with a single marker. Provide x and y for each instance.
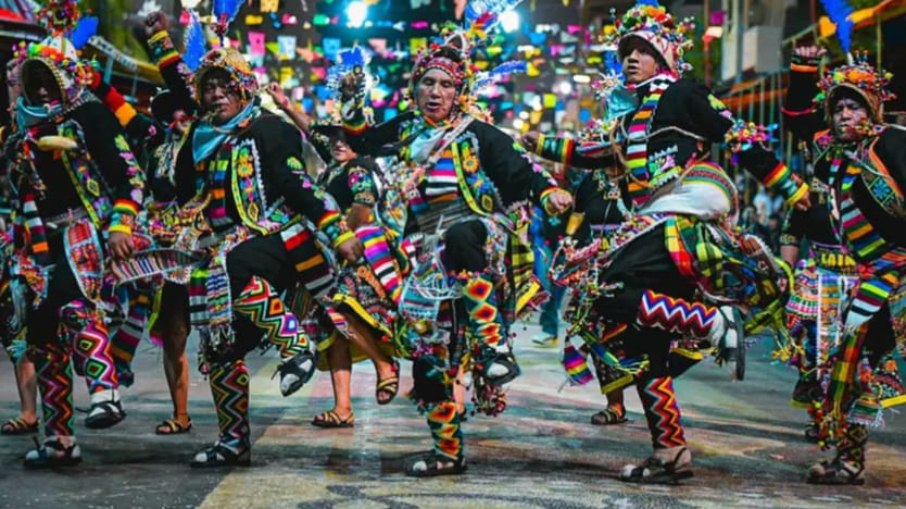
(159, 305)
(362, 311)
(680, 242)
(859, 163)
(76, 184)
(464, 185)
(244, 166)
(26, 379)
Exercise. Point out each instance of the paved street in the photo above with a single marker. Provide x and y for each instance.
(541, 453)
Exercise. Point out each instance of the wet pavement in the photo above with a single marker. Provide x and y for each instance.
(542, 452)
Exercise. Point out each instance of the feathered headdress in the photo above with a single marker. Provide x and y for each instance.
(67, 31)
(651, 22)
(861, 77)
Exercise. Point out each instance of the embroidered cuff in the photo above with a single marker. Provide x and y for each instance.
(123, 218)
(789, 185)
(163, 52)
(804, 64)
(332, 225)
(343, 237)
(556, 149)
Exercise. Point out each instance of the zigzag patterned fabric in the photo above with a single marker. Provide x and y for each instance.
(676, 315)
(445, 430)
(230, 388)
(90, 345)
(481, 305)
(852, 444)
(662, 412)
(54, 372)
(264, 307)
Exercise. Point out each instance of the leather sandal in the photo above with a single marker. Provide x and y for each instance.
(173, 427)
(609, 416)
(19, 426)
(331, 419)
(221, 455)
(387, 389)
(657, 471)
(433, 465)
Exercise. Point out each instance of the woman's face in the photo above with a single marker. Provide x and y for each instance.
(340, 151)
(435, 95)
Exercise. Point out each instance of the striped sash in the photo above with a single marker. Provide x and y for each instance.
(637, 148)
(380, 258)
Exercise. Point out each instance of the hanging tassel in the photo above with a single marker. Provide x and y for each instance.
(576, 365)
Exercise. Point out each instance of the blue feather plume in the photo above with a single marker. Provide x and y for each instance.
(354, 57)
(505, 69)
(838, 11)
(649, 2)
(195, 43)
(227, 8)
(612, 63)
(85, 30)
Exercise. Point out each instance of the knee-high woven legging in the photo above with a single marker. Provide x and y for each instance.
(85, 328)
(127, 338)
(54, 373)
(676, 315)
(661, 412)
(851, 447)
(446, 430)
(230, 388)
(484, 320)
(264, 307)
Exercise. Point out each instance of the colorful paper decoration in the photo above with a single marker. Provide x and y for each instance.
(256, 43)
(270, 5)
(287, 44)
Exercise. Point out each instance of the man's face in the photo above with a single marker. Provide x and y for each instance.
(40, 85)
(849, 116)
(640, 62)
(435, 93)
(220, 96)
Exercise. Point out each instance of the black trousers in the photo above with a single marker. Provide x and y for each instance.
(265, 257)
(62, 288)
(644, 264)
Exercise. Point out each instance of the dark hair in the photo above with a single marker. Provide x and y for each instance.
(644, 46)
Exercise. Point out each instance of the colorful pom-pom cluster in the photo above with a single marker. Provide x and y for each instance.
(646, 17)
(81, 71)
(861, 75)
(58, 16)
(746, 135)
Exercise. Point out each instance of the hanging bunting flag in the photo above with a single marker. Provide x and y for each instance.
(256, 43)
(287, 45)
